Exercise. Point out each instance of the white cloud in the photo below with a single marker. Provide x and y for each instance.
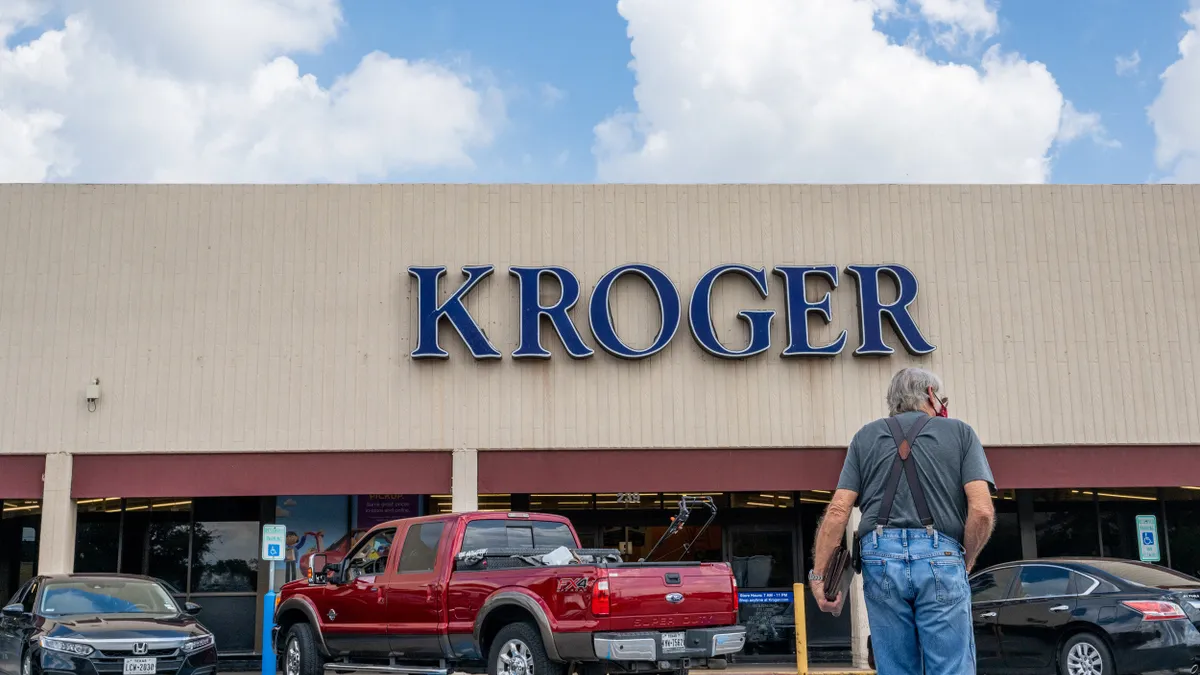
(811, 91)
(1076, 125)
(145, 90)
(955, 19)
(1128, 65)
(552, 95)
(1175, 114)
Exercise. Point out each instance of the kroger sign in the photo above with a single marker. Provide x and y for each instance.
(872, 311)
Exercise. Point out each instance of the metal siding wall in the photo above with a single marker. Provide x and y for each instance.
(234, 318)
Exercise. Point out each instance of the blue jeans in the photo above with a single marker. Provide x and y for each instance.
(918, 603)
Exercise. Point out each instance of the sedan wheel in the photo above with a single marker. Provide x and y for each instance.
(1085, 654)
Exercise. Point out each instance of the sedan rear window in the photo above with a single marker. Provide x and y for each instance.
(1146, 575)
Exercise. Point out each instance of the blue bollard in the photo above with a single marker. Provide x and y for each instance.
(268, 656)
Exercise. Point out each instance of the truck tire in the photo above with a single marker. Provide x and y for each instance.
(518, 650)
(300, 655)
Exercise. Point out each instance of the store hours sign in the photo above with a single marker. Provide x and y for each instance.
(433, 311)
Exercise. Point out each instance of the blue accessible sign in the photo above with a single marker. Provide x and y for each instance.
(1147, 528)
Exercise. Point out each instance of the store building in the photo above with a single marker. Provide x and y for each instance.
(186, 363)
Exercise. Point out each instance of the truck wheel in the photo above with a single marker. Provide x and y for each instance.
(518, 650)
(300, 655)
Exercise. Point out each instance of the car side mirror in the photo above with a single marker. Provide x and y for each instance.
(322, 572)
(14, 611)
(192, 608)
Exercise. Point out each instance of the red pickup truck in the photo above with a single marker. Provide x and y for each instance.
(477, 592)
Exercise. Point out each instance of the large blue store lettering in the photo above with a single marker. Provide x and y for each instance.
(430, 313)
(600, 313)
(759, 320)
(532, 311)
(795, 278)
(871, 310)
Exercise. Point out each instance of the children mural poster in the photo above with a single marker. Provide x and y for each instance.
(313, 523)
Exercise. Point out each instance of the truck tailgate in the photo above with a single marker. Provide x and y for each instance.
(648, 596)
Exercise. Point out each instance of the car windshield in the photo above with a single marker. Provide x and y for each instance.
(105, 596)
(1146, 575)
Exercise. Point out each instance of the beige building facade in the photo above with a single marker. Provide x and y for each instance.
(518, 346)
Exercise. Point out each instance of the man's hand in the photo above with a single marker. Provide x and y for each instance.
(818, 590)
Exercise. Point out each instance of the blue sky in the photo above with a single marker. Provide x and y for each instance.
(582, 49)
(753, 101)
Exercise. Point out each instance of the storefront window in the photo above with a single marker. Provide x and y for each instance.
(445, 503)
(1005, 542)
(225, 539)
(1183, 528)
(551, 503)
(98, 535)
(762, 500)
(1119, 509)
(1065, 522)
(20, 524)
(763, 557)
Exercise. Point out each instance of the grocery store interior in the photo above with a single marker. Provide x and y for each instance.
(207, 548)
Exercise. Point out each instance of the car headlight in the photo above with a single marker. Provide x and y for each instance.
(76, 648)
(196, 644)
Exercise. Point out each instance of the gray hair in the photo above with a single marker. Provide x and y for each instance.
(909, 390)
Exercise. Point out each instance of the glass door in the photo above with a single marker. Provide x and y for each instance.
(763, 561)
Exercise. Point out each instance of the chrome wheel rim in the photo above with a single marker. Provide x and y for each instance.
(515, 659)
(291, 663)
(1084, 659)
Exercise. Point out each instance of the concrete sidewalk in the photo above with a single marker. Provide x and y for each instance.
(769, 669)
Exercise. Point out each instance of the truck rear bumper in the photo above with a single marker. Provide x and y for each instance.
(669, 645)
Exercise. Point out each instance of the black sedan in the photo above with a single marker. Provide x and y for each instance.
(1085, 616)
(102, 625)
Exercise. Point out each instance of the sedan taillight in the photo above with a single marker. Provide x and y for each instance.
(1156, 610)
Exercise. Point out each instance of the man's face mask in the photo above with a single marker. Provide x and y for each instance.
(940, 405)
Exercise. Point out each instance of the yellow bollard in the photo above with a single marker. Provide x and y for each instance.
(798, 600)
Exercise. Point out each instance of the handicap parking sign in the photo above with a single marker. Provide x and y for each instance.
(274, 539)
(1147, 529)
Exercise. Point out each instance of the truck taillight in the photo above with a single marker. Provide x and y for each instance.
(601, 602)
(1156, 610)
(736, 599)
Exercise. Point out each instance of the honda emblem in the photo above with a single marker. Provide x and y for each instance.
(140, 648)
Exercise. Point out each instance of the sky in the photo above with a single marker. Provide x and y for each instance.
(861, 91)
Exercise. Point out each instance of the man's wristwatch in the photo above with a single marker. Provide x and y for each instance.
(813, 576)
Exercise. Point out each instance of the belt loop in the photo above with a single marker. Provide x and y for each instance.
(875, 537)
(878, 531)
(935, 538)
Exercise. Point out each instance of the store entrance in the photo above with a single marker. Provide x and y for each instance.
(20, 530)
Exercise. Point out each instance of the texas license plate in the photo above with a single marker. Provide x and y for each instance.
(141, 666)
(672, 643)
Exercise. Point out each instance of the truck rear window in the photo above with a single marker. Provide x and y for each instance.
(509, 534)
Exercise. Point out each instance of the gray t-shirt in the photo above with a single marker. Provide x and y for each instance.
(948, 454)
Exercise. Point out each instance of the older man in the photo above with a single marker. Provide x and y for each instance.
(924, 485)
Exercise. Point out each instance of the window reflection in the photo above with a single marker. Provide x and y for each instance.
(226, 557)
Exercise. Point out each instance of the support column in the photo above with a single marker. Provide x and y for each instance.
(56, 550)
(464, 481)
(1025, 524)
(860, 629)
